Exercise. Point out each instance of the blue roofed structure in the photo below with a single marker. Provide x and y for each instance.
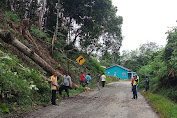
(120, 72)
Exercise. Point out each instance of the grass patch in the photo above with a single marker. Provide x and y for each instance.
(165, 107)
(111, 79)
(13, 17)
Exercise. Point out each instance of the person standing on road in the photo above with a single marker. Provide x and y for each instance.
(54, 86)
(132, 83)
(88, 78)
(98, 80)
(135, 84)
(66, 84)
(147, 83)
(82, 79)
(103, 79)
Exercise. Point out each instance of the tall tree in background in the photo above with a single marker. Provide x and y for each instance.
(170, 54)
(139, 57)
(51, 16)
(24, 8)
(106, 59)
(88, 21)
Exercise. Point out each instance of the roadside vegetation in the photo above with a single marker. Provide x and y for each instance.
(160, 64)
(162, 105)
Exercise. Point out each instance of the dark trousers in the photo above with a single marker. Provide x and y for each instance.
(82, 83)
(53, 97)
(147, 87)
(64, 88)
(134, 92)
(132, 87)
(103, 83)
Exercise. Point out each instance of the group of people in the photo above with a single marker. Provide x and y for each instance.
(85, 80)
(135, 82)
(65, 85)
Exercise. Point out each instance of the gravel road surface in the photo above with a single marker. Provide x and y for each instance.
(112, 101)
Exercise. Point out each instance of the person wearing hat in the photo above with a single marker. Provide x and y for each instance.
(65, 85)
(147, 83)
(135, 84)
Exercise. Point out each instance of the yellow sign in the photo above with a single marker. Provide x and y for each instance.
(80, 60)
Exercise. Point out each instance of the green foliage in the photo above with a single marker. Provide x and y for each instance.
(59, 56)
(111, 79)
(4, 108)
(160, 69)
(106, 59)
(19, 86)
(95, 19)
(135, 59)
(95, 66)
(163, 106)
(39, 34)
(170, 53)
(11, 16)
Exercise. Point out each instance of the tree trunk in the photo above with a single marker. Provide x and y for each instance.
(7, 37)
(41, 16)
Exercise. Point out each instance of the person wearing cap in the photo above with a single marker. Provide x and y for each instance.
(65, 85)
(135, 84)
(54, 86)
(147, 83)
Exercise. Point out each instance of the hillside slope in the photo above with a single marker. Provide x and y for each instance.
(23, 87)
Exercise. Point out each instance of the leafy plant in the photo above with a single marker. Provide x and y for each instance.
(12, 16)
(4, 108)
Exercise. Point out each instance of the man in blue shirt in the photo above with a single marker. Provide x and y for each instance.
(88, 78)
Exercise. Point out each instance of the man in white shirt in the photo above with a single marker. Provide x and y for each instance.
(103, 79)
(66, 84)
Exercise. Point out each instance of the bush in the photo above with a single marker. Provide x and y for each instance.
(39, 34)
(19, 86)
(11, 16)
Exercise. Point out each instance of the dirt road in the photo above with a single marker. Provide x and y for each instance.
(113, 101)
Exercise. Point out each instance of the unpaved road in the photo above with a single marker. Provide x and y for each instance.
(113, 101)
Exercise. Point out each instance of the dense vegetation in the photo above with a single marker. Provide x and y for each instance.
(158, 63)
(81, 27)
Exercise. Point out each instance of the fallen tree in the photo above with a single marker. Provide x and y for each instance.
(7, 38)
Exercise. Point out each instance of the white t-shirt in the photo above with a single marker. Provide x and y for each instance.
(103, 78)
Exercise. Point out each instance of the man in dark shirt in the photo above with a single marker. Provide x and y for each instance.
(98, 80)
(147, 83)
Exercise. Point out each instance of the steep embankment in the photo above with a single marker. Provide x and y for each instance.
(21, 85)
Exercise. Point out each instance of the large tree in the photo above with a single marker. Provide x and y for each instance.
(139, 57)
(88, 21)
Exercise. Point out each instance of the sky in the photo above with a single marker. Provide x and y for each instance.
(145, 20)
